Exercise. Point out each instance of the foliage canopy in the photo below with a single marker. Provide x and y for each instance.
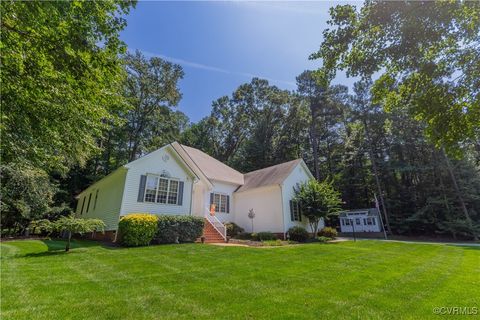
(426, 56)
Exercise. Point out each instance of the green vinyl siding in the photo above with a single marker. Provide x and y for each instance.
(106, 196)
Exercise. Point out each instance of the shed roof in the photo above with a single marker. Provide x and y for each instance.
(368, 211)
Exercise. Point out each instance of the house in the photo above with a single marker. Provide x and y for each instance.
(180, 180)
(361, 220)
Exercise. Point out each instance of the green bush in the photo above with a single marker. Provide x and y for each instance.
(245, 236)
(137, 229)
(261, 236)
(328, 232)
(324, 239)
(298, 234)
(178, 228)
(233, 229)
(273, 243)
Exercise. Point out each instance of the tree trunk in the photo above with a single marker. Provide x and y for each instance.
(314, 226)
(375, 173)
(459, 194)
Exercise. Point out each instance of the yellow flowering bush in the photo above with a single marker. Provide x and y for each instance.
(137, 229)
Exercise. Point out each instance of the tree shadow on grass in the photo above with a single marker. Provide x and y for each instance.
(465, 246)
(57, 247)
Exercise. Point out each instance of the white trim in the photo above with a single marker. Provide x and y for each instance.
(178, 148)
(283, 212)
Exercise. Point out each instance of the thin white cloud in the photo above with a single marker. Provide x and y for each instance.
(309, 7)
(202, 66)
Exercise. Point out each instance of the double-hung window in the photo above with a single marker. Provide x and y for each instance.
(161, 190)
(172, 192)
(151, 189)
(221, 202)
(162, 194)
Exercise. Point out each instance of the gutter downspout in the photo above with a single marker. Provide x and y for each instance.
(191, 196)
(283, 211)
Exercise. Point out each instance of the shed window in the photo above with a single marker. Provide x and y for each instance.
(357, 221)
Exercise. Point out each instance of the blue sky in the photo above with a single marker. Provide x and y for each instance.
(221, 45)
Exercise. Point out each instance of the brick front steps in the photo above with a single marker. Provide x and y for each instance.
(211, 234)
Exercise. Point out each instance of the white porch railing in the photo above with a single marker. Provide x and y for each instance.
(217, 224)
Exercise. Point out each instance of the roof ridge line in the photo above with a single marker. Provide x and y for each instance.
(279, 164)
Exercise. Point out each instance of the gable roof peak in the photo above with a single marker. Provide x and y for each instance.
(273, 175)
(213, 168)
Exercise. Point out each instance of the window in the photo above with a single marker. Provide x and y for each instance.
(151, 188)
(88, 205)
(161, 190)
(347, 222)
(95, 202)
(295, 214)
(369, 221)
(172, 192)
(357, 221)
(373, 220)
(221, 202)
(83, 204)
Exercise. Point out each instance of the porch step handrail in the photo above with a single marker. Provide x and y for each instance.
(217, 225)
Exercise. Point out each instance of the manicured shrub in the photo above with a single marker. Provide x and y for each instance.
(233, 229)
(273, 243)
(328, 232)
(298, 234)
(172, 229)
(261, 236)
(190, 228)
(245, 236)
(137, 229)
(324, 239)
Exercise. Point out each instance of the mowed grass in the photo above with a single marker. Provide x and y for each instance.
(349, 280)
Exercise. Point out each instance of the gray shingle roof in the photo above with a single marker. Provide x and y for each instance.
(212, 168)
(216, 170)
(273, 175)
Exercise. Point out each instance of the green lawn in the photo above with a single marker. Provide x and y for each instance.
(362, 280)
